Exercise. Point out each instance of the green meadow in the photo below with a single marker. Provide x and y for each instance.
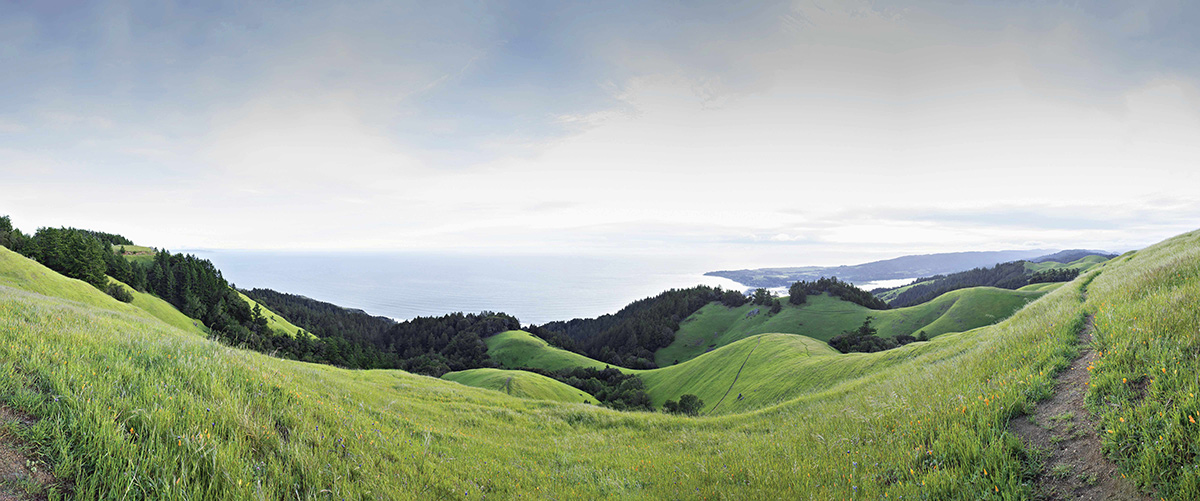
(133, 407)
(1082, 264)
(520, 384)
(518, 349)
(276, 322)
(824, 317)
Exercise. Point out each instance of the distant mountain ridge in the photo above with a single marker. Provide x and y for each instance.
(1069, 255)
(922, 265)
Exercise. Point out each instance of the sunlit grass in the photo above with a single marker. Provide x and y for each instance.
(1146, 382)
(520, 384)
(824, 317)
(131, 407)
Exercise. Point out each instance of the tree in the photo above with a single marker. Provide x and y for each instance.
(688, 404)
(797, 294)
(762, 297)
(862, 339)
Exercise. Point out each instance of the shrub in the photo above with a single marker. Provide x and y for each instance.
(118, 292)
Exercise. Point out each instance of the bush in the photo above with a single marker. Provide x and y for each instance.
(688, 405)
(861, 340)
(118, 292)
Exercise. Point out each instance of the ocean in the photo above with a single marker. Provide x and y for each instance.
(535, 289)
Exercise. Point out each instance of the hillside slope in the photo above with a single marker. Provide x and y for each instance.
(163, 310)
(520, 349)
(275, 321)
(131, 407)
(522, 384)
(824, 317)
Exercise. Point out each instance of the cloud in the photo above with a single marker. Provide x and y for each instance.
(631, 125)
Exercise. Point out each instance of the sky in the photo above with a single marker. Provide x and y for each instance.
(759, 133)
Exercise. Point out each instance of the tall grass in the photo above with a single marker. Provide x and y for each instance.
(1146, 382)
(132, 408)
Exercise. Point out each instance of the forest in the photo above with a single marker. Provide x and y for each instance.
(864, 339)
(1011, 275)
(611, 387)
(424, 345)
(798, 293)
(629, 337)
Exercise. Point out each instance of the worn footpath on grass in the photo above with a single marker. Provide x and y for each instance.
(19, 473)
(1074, 466)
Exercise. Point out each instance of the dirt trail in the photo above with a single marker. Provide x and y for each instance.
(1074, 466)
(735, 377)
(19, 473)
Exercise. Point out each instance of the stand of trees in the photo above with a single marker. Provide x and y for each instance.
(798, 293)
(864, 340)
(423, 345)
(1004, 275)
(611, 387)
(1054, 275)
(688, 405)
(629, 337)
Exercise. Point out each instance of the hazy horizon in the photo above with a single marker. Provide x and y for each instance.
(764, 134)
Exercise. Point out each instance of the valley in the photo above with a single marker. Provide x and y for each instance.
(138, 400)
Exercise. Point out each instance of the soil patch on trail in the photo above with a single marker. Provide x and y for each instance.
(1062, 430)
(22, 478)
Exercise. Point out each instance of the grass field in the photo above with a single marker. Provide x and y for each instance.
(163, 310)
(522, 384)
(823, 317)
(1082, 264)
(520, 349)
(131, 407)
(275, 321)
(136, 253)
(1043, 287)
(752, 368)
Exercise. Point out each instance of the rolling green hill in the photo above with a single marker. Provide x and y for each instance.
(762, 370)
(131, 407)
(518, 349)
(823, 317)
(163, 310)
(276, 322)
(136, 253)
(1082, 264)
(756, 364)
(1042, 287)
(522, 384)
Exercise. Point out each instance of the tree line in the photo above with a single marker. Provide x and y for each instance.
(1011, 275)
(1054, 275)
(798, 293)
(423, 345)
(611, 387)
(865, 339)
(629, 337)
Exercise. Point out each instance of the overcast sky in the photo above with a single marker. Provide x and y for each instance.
(809, 132)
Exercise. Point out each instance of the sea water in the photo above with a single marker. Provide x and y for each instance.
(534, 288)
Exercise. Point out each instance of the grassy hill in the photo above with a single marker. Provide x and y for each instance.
(517, 349)
(823, 317)
(763, 370)
(522, 384)
(275, 321)
(1082, 264)
(163, 310)
(1042, 287)
(136, 253)
(131, 407)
